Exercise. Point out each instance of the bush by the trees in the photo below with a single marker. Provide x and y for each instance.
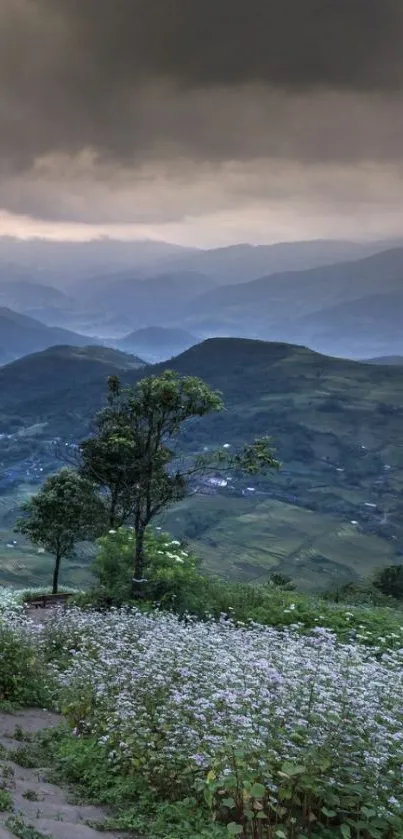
(171, 572)
(390, 581)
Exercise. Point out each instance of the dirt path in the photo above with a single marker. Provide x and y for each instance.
(38, 804)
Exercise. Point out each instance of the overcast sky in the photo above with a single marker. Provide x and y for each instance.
(201, 121)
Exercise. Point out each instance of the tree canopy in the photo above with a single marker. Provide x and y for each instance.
(66, 510)
(132, 456)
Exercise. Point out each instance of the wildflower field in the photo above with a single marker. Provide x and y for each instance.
(262, 732)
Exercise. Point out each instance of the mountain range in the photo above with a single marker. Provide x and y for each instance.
(21, 335)
(348, 308)
(157, 343)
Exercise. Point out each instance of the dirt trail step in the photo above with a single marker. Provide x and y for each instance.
(43, 805)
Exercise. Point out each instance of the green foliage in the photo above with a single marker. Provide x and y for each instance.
(281, 581)
(66, 510)
(306, 805)
(21, 829)
(131, 456)
(22, 668)
(175, 582)
(6, 801)
(170, 571)
(389, 581)
(83, 763)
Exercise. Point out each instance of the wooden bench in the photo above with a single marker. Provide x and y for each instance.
(42, 601)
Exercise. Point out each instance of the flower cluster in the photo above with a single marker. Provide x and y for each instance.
(173, 699)
(178, 700)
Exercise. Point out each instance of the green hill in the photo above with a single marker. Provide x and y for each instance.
(337, 426)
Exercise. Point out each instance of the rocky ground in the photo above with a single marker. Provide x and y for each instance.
(40, 810)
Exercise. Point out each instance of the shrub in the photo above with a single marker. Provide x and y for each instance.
(22, 666)
(170, 570)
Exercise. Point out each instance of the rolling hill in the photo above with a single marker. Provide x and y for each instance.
(21, 335)
(60, 369)
(334, 511)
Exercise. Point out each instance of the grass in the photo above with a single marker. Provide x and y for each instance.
(254, 538)
(24, 567)
(23, 830)
(6, 801)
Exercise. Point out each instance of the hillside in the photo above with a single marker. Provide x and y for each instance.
(61, 264)
(42, 374)
(242, 263)
(157, 299)
(373, 321)
(337, 426)
(156, 343)
(24, 296)
(21, 335)
(385, 359)
(294, 306)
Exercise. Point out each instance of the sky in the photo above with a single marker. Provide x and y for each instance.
(202, 122)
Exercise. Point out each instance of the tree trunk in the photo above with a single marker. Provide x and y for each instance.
(138, 568)
(56, 574)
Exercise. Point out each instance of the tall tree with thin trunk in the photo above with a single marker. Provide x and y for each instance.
(131, 456)
(66, 510)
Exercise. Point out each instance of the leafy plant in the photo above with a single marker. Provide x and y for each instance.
(19, 828)
(131, 456)
(22, 667)
(6, 801)
(390, 581)
(66, 510)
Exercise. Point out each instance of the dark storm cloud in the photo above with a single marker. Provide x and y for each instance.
(353, 44)
(142, 110)
(128, 76)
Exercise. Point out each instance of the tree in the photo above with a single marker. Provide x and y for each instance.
(131, 455)
(390, 581)
(281, 581)
(65, 511)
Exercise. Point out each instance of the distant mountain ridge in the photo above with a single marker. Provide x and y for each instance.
(158, 299)
(385, 359)
(21, 335)
(156, 343)
(339, 307)
(244, 262)
(293, 306)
